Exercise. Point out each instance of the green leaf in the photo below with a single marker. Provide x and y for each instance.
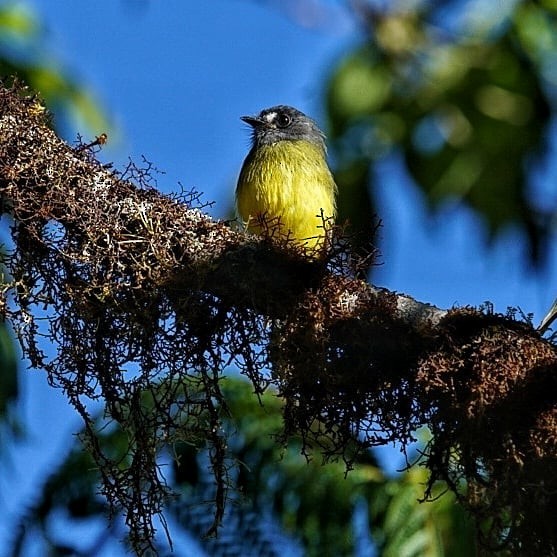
(18, 20)
(24, 54)
(9, 390)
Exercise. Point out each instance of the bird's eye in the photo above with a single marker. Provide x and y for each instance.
(283, 120)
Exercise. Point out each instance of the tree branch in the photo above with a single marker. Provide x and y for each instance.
(116, 274)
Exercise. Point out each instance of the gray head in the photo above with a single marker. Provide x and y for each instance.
(283, 123)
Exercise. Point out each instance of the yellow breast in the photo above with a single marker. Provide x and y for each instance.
(286, 189)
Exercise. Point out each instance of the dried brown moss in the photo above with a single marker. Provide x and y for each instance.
(147, 301)
(491, 389)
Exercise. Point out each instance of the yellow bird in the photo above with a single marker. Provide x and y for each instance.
(286, 189)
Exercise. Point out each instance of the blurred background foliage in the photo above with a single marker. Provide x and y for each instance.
(465, 93)
(24, 53)
(275, 493)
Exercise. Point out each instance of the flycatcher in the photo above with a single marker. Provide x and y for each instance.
(286, 189)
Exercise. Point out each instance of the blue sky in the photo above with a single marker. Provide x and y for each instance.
(174, 77)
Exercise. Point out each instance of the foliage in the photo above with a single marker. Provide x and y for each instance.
(9, 389)
(464, 94)
(318, 505)
(23, 53)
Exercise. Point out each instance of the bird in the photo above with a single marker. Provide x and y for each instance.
(286, 189)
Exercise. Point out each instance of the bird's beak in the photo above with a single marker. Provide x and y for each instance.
(253, 121)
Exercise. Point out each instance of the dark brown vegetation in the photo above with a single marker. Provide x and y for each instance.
(147, 301)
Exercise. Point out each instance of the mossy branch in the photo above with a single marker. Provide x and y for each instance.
(147, 301)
